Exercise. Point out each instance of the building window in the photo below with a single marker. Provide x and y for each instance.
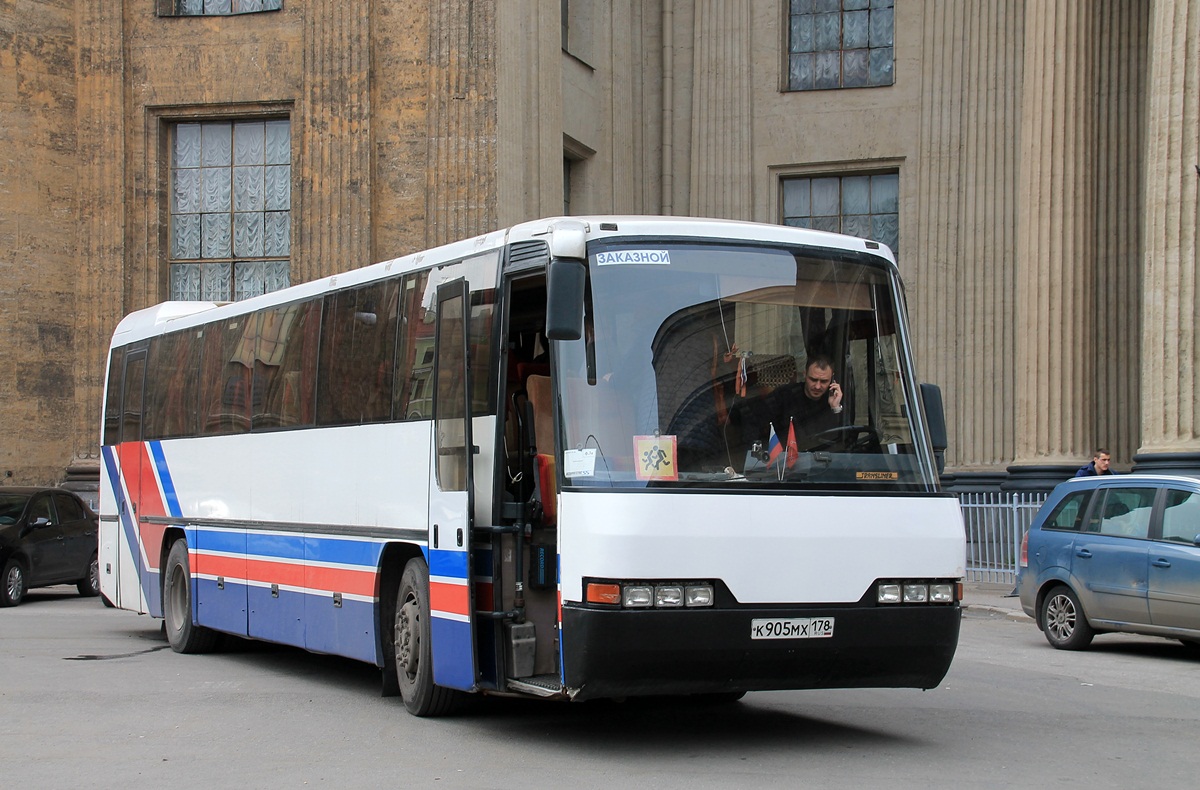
(230, 209)
(857, 205)
(839, 44)
(215, 7)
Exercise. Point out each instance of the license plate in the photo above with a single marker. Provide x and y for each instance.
(791, 628)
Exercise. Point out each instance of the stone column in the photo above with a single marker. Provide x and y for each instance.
(722, 139)
(1055, 370)
(332, 128)
(100, 231)
(1171, 304)
(460, 172)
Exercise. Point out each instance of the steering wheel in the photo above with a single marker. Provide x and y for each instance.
(856, 438)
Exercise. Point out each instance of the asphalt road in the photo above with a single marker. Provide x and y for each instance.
(93, 697)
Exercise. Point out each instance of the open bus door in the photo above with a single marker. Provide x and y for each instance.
(450, 495)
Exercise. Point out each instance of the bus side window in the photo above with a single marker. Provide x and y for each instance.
(225, 376)
(112, 398)
(171, 385)
(285, 366)
(413, 389)
(357, 355)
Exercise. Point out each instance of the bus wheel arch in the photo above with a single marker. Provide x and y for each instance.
(183, 633)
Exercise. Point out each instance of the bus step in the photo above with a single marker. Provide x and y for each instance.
(538, 685)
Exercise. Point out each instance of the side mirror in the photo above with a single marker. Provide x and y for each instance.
(565, 282)
(935, 414)
(40, 521)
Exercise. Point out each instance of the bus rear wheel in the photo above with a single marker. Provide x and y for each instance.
(183, 634)
(411, 645)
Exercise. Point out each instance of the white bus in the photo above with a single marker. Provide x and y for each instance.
(543, 462)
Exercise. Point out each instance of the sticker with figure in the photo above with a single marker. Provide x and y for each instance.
(656, 457)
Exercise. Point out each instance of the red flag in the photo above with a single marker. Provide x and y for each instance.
(793, 451)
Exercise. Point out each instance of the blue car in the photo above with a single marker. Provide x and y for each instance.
(1114, 553)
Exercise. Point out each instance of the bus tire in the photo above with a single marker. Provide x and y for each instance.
(183, 634)
(411, 646)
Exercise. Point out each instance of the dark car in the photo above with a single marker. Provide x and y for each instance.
(47, 536)
(1115, 553)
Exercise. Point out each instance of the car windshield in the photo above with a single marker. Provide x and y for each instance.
(11, 507)
(704, 363)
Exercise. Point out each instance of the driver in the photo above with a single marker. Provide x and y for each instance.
(812, 406)
(816, 407)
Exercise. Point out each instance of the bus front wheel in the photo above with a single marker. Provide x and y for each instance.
(183, 634)
(414, 665)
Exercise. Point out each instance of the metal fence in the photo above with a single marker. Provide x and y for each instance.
(995, 522)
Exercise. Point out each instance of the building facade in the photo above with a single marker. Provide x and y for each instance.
(1035, 164)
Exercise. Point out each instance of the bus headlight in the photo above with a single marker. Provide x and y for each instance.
(941, 592)
(637, 596)
(698, 595)
(905, 591)
(649, 595)
(889, 593)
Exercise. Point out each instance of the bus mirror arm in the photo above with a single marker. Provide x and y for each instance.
(935, 416)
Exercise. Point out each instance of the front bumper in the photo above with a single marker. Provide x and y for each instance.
(618, 653)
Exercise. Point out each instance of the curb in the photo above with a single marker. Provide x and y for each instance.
(1015, 615)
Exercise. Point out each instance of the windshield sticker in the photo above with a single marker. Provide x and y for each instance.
(656, 457)
(654, 257)
(579, 463)
(877, 476)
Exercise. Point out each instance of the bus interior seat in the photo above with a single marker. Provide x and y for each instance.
(537, 388)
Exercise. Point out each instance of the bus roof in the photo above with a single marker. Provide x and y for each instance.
(178, 315)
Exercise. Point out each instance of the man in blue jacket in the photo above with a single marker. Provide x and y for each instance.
(1099, 465)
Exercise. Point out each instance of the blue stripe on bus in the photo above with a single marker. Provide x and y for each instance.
(276, 547)
(453, 664)
(451, 564)
(314, 548)
(344, 551)
(164, 478)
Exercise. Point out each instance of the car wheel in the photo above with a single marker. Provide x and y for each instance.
(183, 634)
(12, 584)
(411, 643)
(1063, 621)
(89, 586)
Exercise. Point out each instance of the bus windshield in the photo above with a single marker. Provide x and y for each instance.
(729, 364)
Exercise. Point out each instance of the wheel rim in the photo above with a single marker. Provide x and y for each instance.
(408, 636)
(94, 575)
(13, 583)
(1060, 618)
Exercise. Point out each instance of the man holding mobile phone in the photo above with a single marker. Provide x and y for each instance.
(820, 407)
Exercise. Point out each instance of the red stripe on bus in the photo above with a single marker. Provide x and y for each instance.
(341, 580)
(452, 598)
(350, 582)
(137, 470)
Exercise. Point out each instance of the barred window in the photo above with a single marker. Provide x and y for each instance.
(230, 209)
(216, 7)
(840, 44)
(867, 206)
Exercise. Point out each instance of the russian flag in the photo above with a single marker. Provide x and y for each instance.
(774, 447)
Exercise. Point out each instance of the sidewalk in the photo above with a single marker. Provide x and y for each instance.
(994, 598)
